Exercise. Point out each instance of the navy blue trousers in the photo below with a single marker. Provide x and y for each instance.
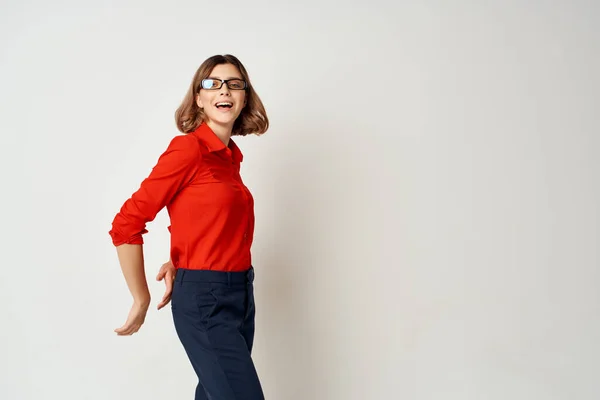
(214, 312)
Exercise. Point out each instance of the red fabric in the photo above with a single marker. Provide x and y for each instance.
(211, 210)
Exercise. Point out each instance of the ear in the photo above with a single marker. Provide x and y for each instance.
(198, 102)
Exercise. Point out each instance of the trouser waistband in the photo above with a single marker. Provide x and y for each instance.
(212, 276)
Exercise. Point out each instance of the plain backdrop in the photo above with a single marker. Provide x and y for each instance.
(427, 196)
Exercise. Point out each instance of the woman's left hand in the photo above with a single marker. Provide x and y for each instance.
(166, 272)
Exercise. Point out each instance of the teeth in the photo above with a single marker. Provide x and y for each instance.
(224, 104)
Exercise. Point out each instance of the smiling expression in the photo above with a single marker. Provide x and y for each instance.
(222, 106)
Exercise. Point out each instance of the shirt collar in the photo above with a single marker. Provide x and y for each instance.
(214, 144)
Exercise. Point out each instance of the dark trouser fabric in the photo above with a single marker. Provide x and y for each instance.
(214, 314)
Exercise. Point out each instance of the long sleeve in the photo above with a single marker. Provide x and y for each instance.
(174, 169)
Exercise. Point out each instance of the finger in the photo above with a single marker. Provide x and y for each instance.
(170, 277)
(160, 275)
(127, 327)
(165, 300)
(123, 329)
(128, 330)
(169, 281)
(124, 333)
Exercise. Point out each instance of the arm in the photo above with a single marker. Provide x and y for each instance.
(175, 168)
(131, 258)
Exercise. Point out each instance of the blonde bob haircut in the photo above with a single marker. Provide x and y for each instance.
(253, 118)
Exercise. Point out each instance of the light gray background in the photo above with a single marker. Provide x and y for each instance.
(426, 198)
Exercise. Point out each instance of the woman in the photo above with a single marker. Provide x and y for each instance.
(209, 276)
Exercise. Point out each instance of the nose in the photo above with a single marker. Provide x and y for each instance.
(224, 89)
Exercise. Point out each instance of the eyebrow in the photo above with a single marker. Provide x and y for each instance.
(231, 77)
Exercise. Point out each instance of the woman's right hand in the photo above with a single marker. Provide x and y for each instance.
(166, 272)
(135, 319)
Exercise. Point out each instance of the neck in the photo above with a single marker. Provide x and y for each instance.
(223, 132)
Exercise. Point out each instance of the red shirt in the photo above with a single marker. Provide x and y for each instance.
(211, 210)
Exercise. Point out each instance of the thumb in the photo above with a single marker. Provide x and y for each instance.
(161, 274)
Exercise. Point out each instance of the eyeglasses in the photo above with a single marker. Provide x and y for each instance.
(214, 84)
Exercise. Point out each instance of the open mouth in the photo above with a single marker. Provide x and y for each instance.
(224, 105)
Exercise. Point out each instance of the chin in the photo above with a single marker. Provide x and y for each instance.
(224, 119)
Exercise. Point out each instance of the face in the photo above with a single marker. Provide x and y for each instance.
(222, 106)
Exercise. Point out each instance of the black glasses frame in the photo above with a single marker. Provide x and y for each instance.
(223, 81)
